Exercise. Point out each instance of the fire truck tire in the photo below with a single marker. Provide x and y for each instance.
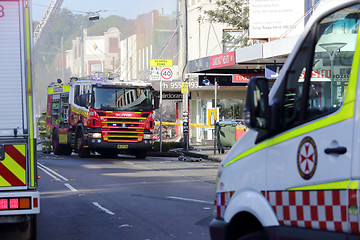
(81, 151)
(33, 225)
(109, 153)
(58, 148)
(67, 150)
(140, 154)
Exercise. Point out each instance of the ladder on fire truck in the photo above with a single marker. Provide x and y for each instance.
(53, 7)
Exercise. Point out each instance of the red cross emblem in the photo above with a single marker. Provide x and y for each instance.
(307, 158)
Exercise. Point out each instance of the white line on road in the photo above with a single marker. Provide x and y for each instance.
(70, 187)
(53, 172)
(48, 173)
(56, 176)
(103, 209)
(189, 200)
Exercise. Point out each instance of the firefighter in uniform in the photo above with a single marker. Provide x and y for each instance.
(42, 131)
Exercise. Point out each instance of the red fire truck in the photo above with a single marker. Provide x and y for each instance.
(101, 114)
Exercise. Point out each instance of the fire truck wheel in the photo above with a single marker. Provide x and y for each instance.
(81, 151)
(140, 154)
(109, 153)
(67, 150)
(58, 148)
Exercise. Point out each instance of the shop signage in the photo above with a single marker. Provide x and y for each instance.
(222, 60)
(175, 85)
(244, 78)
(275, 18)
(209, 80)
(272, 71)
(173, 96)
(200, 64)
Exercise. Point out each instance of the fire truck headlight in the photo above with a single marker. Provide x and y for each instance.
(96, 135)
(148, 136)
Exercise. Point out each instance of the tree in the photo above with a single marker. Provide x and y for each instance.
(234, 13)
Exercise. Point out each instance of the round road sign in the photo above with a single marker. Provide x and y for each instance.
(166, 73)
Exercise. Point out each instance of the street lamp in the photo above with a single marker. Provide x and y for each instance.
(332, 49)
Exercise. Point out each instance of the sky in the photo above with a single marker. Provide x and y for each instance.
(129, 9)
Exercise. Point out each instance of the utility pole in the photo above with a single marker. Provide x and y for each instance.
(62, 60)
(82, 51)
(184, 35)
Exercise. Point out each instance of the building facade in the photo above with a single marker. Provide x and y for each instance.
(94, 53)
(213, 59)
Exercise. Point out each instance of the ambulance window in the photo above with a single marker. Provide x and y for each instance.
(317, 79)
(293, 89)
(334, 51)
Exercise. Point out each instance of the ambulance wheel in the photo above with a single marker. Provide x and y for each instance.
(80, 142)
(58, 148)
(258, 235)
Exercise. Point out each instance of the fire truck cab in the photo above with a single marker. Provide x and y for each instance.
(101, 114)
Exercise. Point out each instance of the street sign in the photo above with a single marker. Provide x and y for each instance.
(167, 73)
(185, 88)
(155, 73)
(161, 63)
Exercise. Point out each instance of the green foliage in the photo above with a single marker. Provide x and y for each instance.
(234, 13)
(125, 26)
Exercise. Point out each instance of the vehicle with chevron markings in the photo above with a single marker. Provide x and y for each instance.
(101, 114)
(19, 198)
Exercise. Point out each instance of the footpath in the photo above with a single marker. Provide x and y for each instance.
(196, 153)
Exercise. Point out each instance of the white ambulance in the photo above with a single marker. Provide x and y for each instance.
(295, 174)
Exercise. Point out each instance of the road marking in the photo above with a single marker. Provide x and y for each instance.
(56, 176)
(103, 209)
(189, 200)
(53, 172)
(48, 173)
(70, 187)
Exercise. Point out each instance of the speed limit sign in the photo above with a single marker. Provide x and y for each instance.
(166, 73)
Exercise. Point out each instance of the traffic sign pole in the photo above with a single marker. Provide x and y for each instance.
(161, 110)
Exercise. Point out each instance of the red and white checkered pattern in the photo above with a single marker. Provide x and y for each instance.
(221, 202)
(321, 209)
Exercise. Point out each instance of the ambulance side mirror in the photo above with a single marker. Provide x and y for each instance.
(256, 111)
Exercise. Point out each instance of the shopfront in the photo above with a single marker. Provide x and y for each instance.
(231, 81)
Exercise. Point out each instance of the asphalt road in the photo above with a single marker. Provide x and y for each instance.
(125, 198)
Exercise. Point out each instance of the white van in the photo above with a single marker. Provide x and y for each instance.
(295, 174)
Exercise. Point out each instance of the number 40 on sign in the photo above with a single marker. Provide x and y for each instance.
(167, 73)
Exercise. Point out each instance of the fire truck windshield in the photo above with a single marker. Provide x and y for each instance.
(122, 99)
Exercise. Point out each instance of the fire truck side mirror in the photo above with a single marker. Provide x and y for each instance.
(156, 99)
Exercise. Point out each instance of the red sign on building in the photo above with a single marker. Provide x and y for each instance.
(244, 78)
(222, 60)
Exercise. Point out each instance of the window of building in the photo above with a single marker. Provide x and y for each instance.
(113, 45)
